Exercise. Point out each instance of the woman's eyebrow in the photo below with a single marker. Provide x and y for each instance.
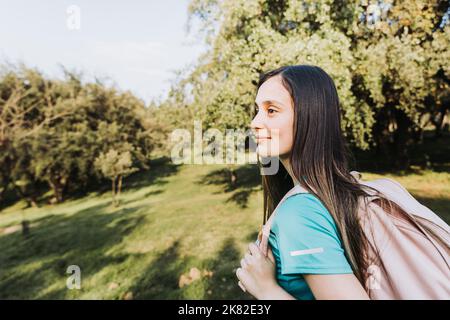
(269, 102)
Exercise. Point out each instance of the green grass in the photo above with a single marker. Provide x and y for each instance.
(171, 219)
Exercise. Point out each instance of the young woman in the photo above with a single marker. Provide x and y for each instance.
(317, 244)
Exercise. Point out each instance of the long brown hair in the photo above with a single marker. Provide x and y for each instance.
(320, 156)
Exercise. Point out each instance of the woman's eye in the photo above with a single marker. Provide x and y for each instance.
(269, 111)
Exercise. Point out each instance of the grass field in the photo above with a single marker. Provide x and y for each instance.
(179, 233)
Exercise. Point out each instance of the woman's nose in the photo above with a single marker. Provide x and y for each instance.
(257, 122)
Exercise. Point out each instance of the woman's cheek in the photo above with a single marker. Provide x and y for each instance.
(285, 143)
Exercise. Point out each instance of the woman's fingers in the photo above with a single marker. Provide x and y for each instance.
(249, 258)
(263, 246)
(242, 286)
(239, 272)
(254, 250)
(243, 277)
(244, 263)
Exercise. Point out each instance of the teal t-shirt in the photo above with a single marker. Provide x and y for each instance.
(304, 240)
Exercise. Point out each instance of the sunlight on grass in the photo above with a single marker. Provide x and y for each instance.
(187, 222)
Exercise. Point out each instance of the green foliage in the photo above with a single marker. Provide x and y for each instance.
(51, 131)
(115, 165)
(389, 61)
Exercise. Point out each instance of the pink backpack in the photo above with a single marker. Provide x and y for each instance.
(413, 244)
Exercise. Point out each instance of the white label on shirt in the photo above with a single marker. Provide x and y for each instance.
(307, 251)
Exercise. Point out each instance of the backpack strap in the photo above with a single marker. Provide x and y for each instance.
(263, 236)
(420, 215)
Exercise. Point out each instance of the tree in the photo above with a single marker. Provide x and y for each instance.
(51, 131)
(402, 73)
(389, 60)
(115, 165)
(23, 114)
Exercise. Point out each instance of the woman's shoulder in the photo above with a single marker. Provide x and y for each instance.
(307, 238)
(303, 209)
(303, 202)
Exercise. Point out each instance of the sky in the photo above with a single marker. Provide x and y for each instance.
(138, 44)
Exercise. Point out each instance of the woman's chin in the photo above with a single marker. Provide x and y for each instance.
(268, 148)
(262, 151)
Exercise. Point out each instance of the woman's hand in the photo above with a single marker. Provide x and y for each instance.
(257, 276)
(257, 273)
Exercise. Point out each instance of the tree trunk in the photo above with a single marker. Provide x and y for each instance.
(31, 200)
(393, 145)
(114, 191)
(382, 138)
(57, 188)
(402, 137)
(6, 181)
(119, 188)
(3, 193)
(438, 120)
(233, 177)
(25, 228)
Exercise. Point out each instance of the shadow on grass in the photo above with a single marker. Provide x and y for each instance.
(30, 265)
(252, 236)
(161, 278)
(248, 180)
(224, 283)
(148, 194)
(160, 169)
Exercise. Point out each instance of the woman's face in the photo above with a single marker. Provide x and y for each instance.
(274, 122)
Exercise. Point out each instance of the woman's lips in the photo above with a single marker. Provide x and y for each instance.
(262, 138)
